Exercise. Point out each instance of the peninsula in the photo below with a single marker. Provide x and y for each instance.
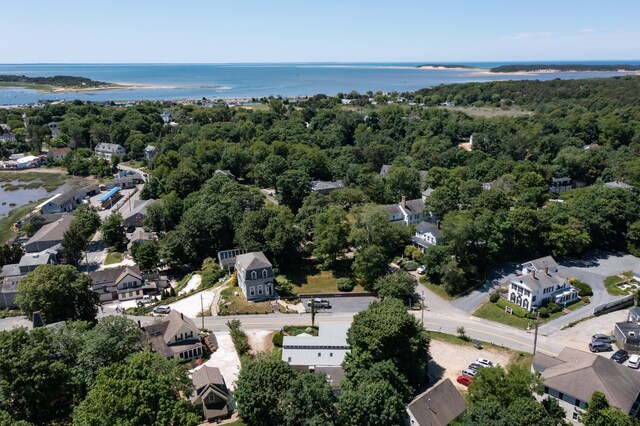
(564, 68)
(65, 83)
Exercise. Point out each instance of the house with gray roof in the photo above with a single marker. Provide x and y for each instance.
(133, 218)
(407, 211)
(572, 376)
(325, 187)
(384, 171)
(255, 276)
(149, 152)
(427, 234)
(49, 235)
(210, 393)
(437, 406)
(31, 261)
(618, 184)
(540, 283)
(560, 185)
(121, 283)
(227, 258)
(175, 338)
(107, 150)
(225, 172)
(322, 354)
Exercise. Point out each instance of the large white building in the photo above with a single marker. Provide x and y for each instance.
(407, 211)
(539, 284)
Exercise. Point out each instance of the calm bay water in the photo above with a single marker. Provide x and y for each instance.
(257, 80)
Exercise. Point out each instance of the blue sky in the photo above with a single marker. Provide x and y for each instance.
(212, 31)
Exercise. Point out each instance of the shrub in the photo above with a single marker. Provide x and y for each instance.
(283, 286)
(584, 288)
(495, 296)
(277, 339)
(234, 280)
(344, 284)
(544, 313)
(308, 330)
(553, 307)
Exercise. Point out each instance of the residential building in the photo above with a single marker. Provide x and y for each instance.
(166, 117)
(226, 173)
(59, 203)
(634, 315)
(133, 218)
(107, 150)
(121, 283)
(31, 261)
(130, 285)
(560, 185)
(8, 292)
(49, 235)
(384, 171)
(439, 405)
(618, 184)
(322, 354)
(573, 375)
(58, 153)
(325, 187)
(29, 162)
(539, 284)
(149, 152)
(53, 127)
(427, 193)
(255, 275)
(176, 337)
(407, 211)
(427, 235)
(140, 236)
(126, 179)
(8, 137)
(627, 336)
(227, 258)
(211, 393)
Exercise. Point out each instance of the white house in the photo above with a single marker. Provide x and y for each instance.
(107, 150)
(560, 185)
(407, 211)
(427, 235)
(539, 284)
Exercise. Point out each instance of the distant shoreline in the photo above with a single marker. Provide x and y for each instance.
(111, 86)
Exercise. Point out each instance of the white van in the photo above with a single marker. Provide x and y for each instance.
(634, 361)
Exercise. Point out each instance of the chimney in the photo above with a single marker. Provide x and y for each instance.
(181, 316)
(533, 274)
(438, 224)
(403, 203)
(546, 270)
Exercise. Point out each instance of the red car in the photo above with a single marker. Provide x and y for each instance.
(465, 380)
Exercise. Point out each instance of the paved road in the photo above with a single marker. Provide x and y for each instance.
(343, 305)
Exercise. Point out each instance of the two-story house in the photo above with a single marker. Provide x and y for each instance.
(427, 235)
(176, 337)
(407, 211)
(210, 393)
(149, 152)
(107, 150)
(560, 185)
(255, 275)
(539, 284)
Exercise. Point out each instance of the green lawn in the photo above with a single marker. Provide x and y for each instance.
(6, 224)
(113, 257)
(437, 289)
(238, 305)
(495, 312)
(306, 277)
(611, 284)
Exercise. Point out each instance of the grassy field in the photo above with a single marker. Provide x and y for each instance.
(238, 305)
(494, 312)
(437, 289)
(32, 180)
(113, 257)
(6, 224)
(40, 87)
(611, 284)
(308, 278)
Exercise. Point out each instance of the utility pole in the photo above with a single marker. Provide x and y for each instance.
(202, 310)
(535, 335)
(313, 313)
(422, 311)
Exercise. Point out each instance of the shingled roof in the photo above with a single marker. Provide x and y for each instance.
(438, 406)
(253, 260)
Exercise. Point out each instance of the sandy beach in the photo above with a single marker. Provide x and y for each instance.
(129, 86)
(432, 67)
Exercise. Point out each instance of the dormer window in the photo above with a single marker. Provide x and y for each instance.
(254, 275)
(265, 273)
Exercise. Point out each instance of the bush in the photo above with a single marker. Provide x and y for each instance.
(283, 286)
(277, 339)
(544, 313)
(553, 307)
(344, 284)
(584, 288)
(495, 296)
(238, 337)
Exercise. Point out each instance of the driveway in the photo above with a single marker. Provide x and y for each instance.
(193, 305)
(343, 304)
(226, 359)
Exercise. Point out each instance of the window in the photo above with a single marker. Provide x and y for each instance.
(254, 275)
(260, 289)
(575, 416)
(265, 273)
(319, 353)
(289, 359)
(252, 291)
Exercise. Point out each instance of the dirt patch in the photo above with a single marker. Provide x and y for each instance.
(260, 341)
(448, 360)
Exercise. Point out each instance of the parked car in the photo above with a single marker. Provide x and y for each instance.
(319, 303)
(600, 347)
(162, 309)
(620, 356)
(602, 338)
(421, 269)
(484, 362)
(469, 372)
(476, 366)
(464, 380)
(634, 361)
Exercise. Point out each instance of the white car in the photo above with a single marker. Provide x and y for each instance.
(483, 361)
(421, 269)
(634, 361)
(469, 372)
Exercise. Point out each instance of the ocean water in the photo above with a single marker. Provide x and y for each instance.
(257, 80)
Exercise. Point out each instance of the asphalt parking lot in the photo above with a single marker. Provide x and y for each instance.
(343, 305)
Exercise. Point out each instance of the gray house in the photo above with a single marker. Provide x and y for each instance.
(49, 235)
(255, 275)
(149, 152)
(107, 150)
(438, 406)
